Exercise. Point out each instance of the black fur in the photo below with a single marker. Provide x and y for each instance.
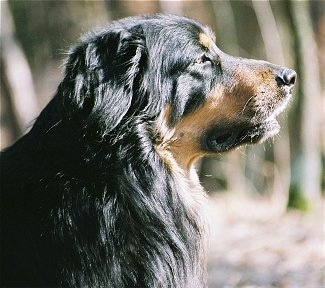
(86, 199)
(100, 192)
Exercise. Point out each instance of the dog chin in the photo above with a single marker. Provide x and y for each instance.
(269, 129)
(221, 140)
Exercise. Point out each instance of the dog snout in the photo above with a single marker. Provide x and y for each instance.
(286, 77)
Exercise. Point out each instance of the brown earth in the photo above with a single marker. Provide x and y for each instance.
(254, 245)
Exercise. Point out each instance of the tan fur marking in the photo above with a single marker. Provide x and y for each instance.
(180, 145)
(206, 41)
(188, 180)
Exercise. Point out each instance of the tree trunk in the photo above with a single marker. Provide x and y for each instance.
(307, 164)
(17, 74)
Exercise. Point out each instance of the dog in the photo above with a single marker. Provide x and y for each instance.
(102, 192)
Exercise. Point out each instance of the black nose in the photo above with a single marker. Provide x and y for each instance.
(286, 77)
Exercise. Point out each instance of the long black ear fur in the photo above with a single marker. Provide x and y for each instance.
(100, 77)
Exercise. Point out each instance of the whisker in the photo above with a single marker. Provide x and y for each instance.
(250, 98)
(56, 124)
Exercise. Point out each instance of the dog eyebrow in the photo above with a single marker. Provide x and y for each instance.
(205, 40)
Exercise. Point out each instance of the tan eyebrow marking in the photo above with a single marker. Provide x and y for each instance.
(205, 40)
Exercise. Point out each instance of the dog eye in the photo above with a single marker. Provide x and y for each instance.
(203, 59)
(206, 59)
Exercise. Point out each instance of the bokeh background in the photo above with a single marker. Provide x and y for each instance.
(266, 202)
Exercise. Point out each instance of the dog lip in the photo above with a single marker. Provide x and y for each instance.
(223, 139)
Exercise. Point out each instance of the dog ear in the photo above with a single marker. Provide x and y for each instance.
(101, 75)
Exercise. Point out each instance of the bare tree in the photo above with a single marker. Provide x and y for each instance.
(309, 169)
(16, 75)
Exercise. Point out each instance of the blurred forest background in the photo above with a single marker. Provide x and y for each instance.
(266, 200)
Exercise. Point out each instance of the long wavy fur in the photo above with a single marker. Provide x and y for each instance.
(87, 201)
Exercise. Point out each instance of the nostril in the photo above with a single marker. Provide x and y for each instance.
(287, 77)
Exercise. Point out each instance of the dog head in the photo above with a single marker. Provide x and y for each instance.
(167, 72)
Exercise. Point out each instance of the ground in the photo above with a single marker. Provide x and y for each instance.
(254, 245)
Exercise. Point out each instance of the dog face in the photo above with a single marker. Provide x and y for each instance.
(220, 102)
(168, 71)
(238, 104)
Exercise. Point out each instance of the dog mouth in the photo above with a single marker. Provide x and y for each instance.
(221, 139)
(224, 137)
